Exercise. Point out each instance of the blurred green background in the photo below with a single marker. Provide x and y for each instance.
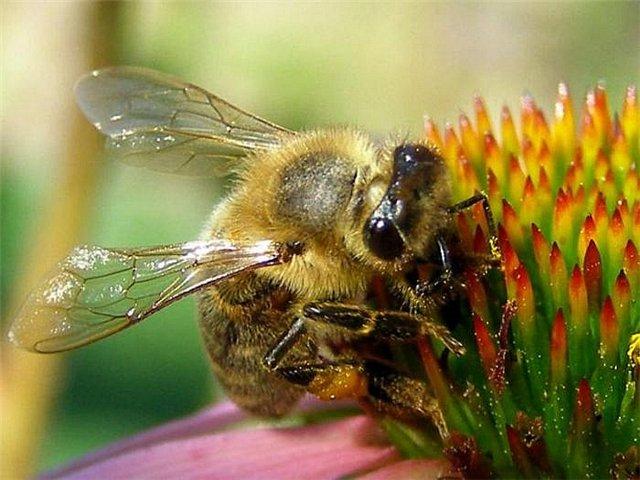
(379, 66)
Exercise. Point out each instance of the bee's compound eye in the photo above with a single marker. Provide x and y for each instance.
(383, 239)
(410, 152)
(416, 161)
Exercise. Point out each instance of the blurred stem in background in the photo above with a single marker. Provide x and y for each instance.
(28, 381)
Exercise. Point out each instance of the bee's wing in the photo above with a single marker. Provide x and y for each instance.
(162, 123)
(95, 292)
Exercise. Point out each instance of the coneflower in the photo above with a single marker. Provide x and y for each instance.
(550, 384)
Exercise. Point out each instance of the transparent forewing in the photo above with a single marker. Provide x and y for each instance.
(157, 121)
(95, 291)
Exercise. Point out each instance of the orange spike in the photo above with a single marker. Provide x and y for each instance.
(512, 225)
(476, 294)
(480, 244)
(509, 256)
(584, 412)
(493, 189)
(578, 300)
(469, 139)
(477, 213)
(607, 186)
(625, 213)
(544, 158)
(469, 178)
(635, 227)
(587, 234)
(602, 165)
(510, 143)
(578, 199)
(621, 297)
(631, 258)
(574, 176)
(562, 217)
(558, 348)
(515, 177)
(558, 277)
(492, 156)
(529, 209)
(451, 144)
(631, 265)
(623, 205)
(563, 128)
(630, 118)
(621, 160)
(524, 297)
(529, 188)
(598, 108)
(543, 194)
(541, 128)
(543, 181)
(600, 209)
(464, 231)
(527, 115)
(434, 372)
(529, 157)
(609, 332)
(617, 224)
(541, 251)
(486, 346)
(616, 237)
(482, 117)
(432, 132)
(590, 138)
(631, 186)
(510, 259)
(592, 267)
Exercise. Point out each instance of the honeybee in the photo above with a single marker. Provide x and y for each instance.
(284, 266)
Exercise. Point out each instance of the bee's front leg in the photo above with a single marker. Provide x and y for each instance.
(284, 343)
(445, 281)
(491, 223)
(390, 325)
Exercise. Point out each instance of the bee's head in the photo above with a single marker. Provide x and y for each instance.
(413, 207)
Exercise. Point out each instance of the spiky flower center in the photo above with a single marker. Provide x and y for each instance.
(551, 383)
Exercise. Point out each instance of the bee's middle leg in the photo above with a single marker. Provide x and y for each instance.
(372, 381)
(325, 379)
(444, 282)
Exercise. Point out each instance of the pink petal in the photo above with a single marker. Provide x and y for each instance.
(206, 421)
(326, 450)
(210, 420)
(412, 469)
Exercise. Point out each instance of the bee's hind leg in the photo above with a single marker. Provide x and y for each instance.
(370, 381)
(379, 386)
